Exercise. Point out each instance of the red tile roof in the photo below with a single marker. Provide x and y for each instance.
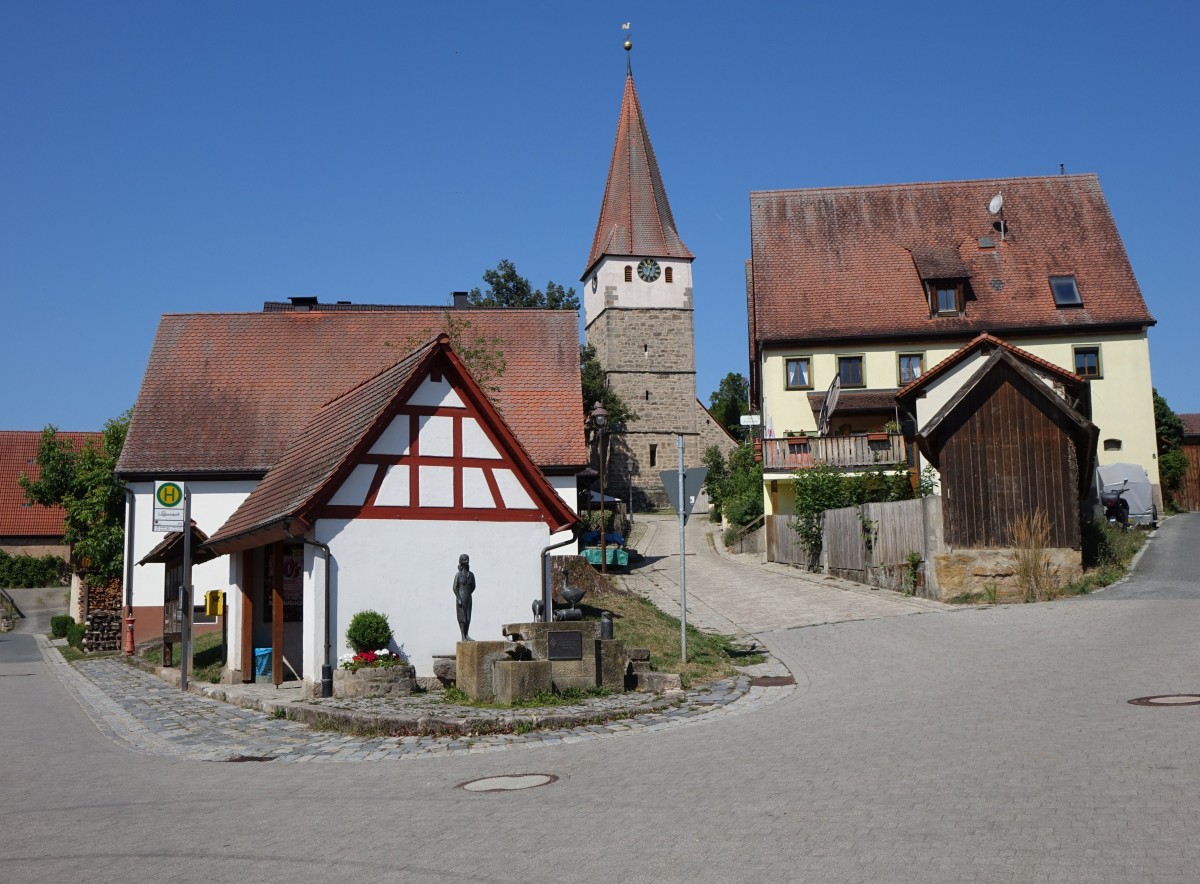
(322, 454)
(226, 393)
(635, 217)
(856, 401)
(847, 263)
(1191, 424)
(987, 343)
(18, 454)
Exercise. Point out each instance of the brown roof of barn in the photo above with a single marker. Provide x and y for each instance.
(838, 263)
(18, 454)
(987, 343)
(635, 217)
(1191, 424)
(226, 393)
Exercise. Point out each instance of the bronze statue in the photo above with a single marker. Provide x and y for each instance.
(464, 586)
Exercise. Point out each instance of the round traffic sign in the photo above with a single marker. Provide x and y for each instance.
(169, 495)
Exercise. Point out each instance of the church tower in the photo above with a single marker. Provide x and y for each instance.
(638, 317)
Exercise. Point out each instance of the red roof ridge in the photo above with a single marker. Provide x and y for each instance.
(858, 188)
(978, 342)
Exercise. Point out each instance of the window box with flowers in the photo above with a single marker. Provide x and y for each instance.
(372, 669)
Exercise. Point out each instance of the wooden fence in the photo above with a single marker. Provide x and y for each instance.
(868, 544)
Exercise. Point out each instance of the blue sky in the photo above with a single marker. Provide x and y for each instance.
(166, 157)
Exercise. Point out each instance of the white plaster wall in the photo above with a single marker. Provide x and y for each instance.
(212, 505)
(610, 273)
(406, 569)
(565, 488)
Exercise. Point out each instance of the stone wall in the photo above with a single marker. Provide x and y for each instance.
(659, 339)
(978, 571)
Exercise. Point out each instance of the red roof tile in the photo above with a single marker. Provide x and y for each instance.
(1191, 424)
(226, 393)
(830, 264)
(635, 217)
(18, 454)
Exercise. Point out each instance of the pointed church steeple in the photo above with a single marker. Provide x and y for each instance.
(635, 217)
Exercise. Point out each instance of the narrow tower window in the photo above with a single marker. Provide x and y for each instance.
(629, 273)
(653, 455)
(668, 276)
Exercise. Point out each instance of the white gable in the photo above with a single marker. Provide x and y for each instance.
(514, 495)
(476, 493)
(436, 436)
(354, 490)
(393, 491)
(393, 440)
(475, 442)
(438, 394)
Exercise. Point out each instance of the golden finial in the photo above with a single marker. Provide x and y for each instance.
(628, 47)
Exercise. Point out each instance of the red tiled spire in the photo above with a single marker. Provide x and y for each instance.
(635, 218)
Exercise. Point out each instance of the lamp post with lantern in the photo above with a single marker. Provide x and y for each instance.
(599, 421)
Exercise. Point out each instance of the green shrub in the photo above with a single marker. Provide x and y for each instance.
(75, 635)
(368, 631)
(31, 571)
(60, 625)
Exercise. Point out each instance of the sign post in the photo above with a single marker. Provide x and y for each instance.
(173, 512)
(682, 487)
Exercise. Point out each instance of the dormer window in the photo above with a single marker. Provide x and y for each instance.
(946, 296)
(1066, 292)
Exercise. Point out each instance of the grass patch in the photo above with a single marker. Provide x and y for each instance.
(455, 697)
(206, 656)
(641, 625)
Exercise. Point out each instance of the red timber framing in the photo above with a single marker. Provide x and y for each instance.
(247, 586)
(511, 458)
(276, 590)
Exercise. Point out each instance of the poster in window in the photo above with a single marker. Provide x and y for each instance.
(293, 585)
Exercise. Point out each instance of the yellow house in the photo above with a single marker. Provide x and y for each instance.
(873, 286)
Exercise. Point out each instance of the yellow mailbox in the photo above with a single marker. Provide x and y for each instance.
(214, 603)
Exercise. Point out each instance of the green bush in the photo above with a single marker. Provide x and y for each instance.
(31, 571)
(75, 635)
(60, 625)
(368, 631)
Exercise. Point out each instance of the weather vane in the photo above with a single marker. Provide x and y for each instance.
(628, 46)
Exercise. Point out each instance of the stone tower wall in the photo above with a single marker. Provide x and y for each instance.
(640, 339)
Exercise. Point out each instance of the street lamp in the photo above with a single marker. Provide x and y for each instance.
(599, 418)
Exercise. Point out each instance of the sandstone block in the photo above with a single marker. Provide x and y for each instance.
(519, 679)
(473, 667)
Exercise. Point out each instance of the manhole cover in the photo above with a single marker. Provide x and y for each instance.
(1168, 700)
(509, 783)
(771, 681)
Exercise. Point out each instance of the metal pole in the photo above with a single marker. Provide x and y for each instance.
(185, 593)
(603, 526)
(682, 558)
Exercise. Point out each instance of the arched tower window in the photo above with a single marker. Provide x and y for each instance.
(629, 273)
(668, 275)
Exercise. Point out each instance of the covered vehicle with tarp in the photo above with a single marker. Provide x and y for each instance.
(1138, 492)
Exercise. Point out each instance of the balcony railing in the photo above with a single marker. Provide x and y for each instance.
(846, 452)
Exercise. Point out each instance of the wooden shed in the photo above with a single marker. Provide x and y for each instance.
(1008, 443)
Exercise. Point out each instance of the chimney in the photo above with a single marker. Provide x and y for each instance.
(460, 300)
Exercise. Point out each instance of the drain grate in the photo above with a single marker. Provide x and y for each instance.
(236, 758)
(509, 783)
(1168, 700)
(771, 681)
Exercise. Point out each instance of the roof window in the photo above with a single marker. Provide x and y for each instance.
(1066, 292)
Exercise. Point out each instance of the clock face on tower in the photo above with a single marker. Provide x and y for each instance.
(648, 269)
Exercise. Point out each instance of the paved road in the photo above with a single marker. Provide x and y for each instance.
(1167, 568)
(987, 745)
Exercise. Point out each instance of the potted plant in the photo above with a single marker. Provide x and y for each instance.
(373, 669)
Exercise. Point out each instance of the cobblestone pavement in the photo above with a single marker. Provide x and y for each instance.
(740, 595)
(140, 711)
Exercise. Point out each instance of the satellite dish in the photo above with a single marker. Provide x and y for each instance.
(996, 204)
(831, 398)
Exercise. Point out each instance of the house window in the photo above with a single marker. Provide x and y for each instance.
(912, 365)
(1112, 444)
(799, 373)
(668, 276)
(653, 455)
(850, 368)
(629, 273)
(1087, 362)
(1066, 292)
(946, 296)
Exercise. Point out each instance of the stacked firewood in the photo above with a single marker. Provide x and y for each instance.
(106, 596)
(102, 631)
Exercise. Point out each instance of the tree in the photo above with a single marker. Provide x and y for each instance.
(507, 288)
(730, 402)
(596, 389)
(1168, 427)
(83, 483)
(735, 486)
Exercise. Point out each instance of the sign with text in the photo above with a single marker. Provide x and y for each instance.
(750, 420)
(168, 506)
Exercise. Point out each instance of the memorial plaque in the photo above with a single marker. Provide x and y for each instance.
(564, 645)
